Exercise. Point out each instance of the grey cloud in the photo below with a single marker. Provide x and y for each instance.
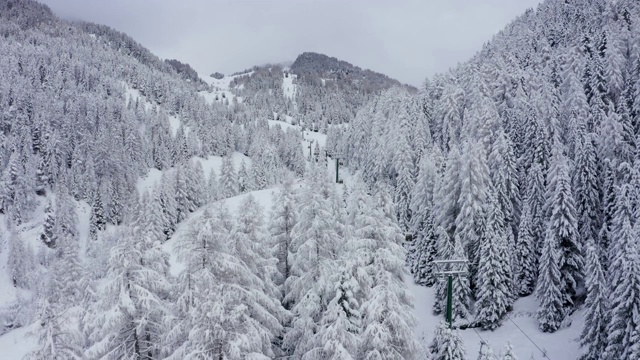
(405, 39)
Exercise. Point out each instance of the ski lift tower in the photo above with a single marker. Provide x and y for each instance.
(310, 148)
(337, 156)
(447, 270)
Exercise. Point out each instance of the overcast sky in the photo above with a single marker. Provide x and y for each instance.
(405, 39)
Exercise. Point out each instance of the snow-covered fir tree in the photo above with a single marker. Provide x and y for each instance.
(593, 338)
(447, 344)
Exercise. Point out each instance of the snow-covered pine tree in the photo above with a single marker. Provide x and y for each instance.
(183, 194)
(228, 179)
(387, 319)
(562, 226)
(461, 293)
(445, 201)
(502, 165)
(8, 181)
(197, 184)
(587, 189)
(551, 311)
(313, 254)
(593, 338)
(97, 220)
(213, 188)
(535, 197)
(283, 219)
(472, 202)
(508, 353)
(426, 251)
(494, 270)
(122, 317)
(423, 250)
(339, 330)
(250, 244)
(169, 204)
(486, 352)
(20, 262)
(243, 178)
(58, 338)
(47, 236)
(525, 264)
(447, 344)
(404, 182)
(623, 337)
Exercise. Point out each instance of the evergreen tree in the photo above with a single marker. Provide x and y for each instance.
(20, 261)
(121, 324)
(228, 179)
(423, 250)
(508, 353)
(169, 204)
(313, 251)
(47, 236)
(622, 330)
(404, 183)
(387, 320)
(593, 338)
(535, 197)
(283, 219)
(243, 178)
(213, 187)
(525, 265)
(445, 202)
(340, 327)
(562, 226)
(461, 291)
(57, 340)
(504, 177)
(587, 189)
(551, 312)
(486, 352)
(494, 272)
(447, 344)
(472, 202)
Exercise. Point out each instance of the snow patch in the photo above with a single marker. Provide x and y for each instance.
(562, 344)
(16, 344)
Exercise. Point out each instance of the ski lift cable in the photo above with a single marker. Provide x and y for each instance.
(544, 353)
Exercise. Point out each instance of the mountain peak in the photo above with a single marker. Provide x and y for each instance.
(312, 63)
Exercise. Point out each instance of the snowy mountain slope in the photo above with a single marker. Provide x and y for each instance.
(535, 135)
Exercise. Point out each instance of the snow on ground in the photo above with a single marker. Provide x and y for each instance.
(219, 87)
(560, 345)
(283, 124)
(174, 123)
(315, 137)
(219, 96)
(16, 344)
(130, 92)
(83, 211)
